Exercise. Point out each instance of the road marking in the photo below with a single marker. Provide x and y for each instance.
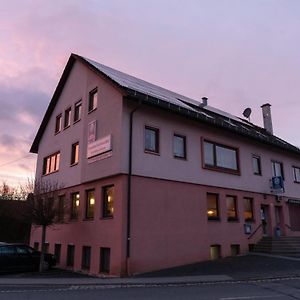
(251, 297)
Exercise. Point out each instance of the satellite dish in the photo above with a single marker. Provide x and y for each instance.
(247, 113)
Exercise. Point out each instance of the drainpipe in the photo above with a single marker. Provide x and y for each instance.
(129, 188)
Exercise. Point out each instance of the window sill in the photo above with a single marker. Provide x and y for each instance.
(222, 170)
(151, 152)
(74, 220)
(50, 173)
(257, 174)
(57, 132)
(88, 219)
(107, 218)
(90, 111)
(66, 127)
(180, 157)
(297, 182)
(233, 220)
(74, 164)
(249, 221)
(76, 121)
(214, 219)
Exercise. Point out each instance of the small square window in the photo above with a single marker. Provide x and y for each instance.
(75, 154)
(77, 111)
(75, 202)
(179, 146)
(90, 204)
(93, 99)
(256, 165)
(58, 124)
(212, 207)
(67, 122)
(108, 201)
(151, 139)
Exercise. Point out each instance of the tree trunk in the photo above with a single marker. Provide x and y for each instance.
(41, 267)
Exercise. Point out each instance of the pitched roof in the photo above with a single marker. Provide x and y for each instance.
(148, 93)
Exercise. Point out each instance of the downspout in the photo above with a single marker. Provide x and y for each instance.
(129, 189)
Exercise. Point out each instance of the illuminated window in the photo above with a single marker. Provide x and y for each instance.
(90, 204)
(51, 163)
(75, 154)
(58, 123)
(77, 111)
(75, 201)
(212, 207)
(256, 165)
(231, 208)
(248, 210)
(220, 157)
(108, 201)
(179, 146)
(93, 99)
(151, 139)
(67, 122)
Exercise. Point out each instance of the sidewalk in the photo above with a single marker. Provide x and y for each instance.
(241, 268)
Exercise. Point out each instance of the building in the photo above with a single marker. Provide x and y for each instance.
(153, 179)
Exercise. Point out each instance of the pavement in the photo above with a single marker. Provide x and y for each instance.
(252, 267)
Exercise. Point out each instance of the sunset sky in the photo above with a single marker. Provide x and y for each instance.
(237, 53)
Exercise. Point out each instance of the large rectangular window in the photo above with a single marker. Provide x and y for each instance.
(248, 210)
(75, 201)
(93, 99)
(67, 122)
(70, 255)
(75, 154)
(220, 157)
(296, 174)
(104, 260)
(212, 207)
(277, 169)
(77, 111)
(231, 208)
(90, 204)
(151, 139)
(179, 146)
(108, 201)
(58, 123)
(256, 165)
(51, 163)
(86, 258)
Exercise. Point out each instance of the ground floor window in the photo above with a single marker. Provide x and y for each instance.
(70, 255)
(86, 258)
(104, 260)
(36, 246)
(235, 250)
(57, 250)
(215, 252)
(294, 211)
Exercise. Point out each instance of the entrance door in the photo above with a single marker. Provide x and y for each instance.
(264, 219)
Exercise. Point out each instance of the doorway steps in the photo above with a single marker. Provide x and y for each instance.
(285, 246)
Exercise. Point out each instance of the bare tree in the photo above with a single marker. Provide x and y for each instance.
(43, 210)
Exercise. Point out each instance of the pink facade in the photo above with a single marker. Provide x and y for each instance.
(169, 222)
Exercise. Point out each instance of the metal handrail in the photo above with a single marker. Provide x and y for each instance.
(253, 233)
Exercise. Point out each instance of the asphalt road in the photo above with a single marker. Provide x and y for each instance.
(252, 290)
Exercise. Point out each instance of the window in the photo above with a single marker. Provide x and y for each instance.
(235, 249)
(75, 154)
(58, 123)
(220, 157)
(215, 252)
(36, 246)
(212, 207)
(57, 250)
(75, 201)
(296, 174)
(90, 204)
(277, 169)
(46, 247)
(108, 201)
(104, 260)
(77, 111)
(51, 163)
(86, 258)
(179, 146)
(248, 210)
(256, 165)
(67, 117)
(70, 255)
(151, 139)
(60, 208)
(231, 208)
(93, 99)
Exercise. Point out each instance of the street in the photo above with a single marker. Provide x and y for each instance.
(260, 289)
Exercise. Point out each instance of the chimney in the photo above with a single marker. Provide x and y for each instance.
(266, 111)
(204, 101)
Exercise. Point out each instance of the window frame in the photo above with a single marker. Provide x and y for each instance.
(73, 161)
(258, 159)
(86, 261)
(215, 167)
(236, 217)
(104, 251)
(90, 208)
(294, 174)
(273, 169)
(157, 144)
(217, 217)
(74, 209)
(67, 117)
(183, 137)
(95, 103)
(105, 214)
(70, 255)
(252, 219)
(58, 121)
(47, 163)
(77, 105)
